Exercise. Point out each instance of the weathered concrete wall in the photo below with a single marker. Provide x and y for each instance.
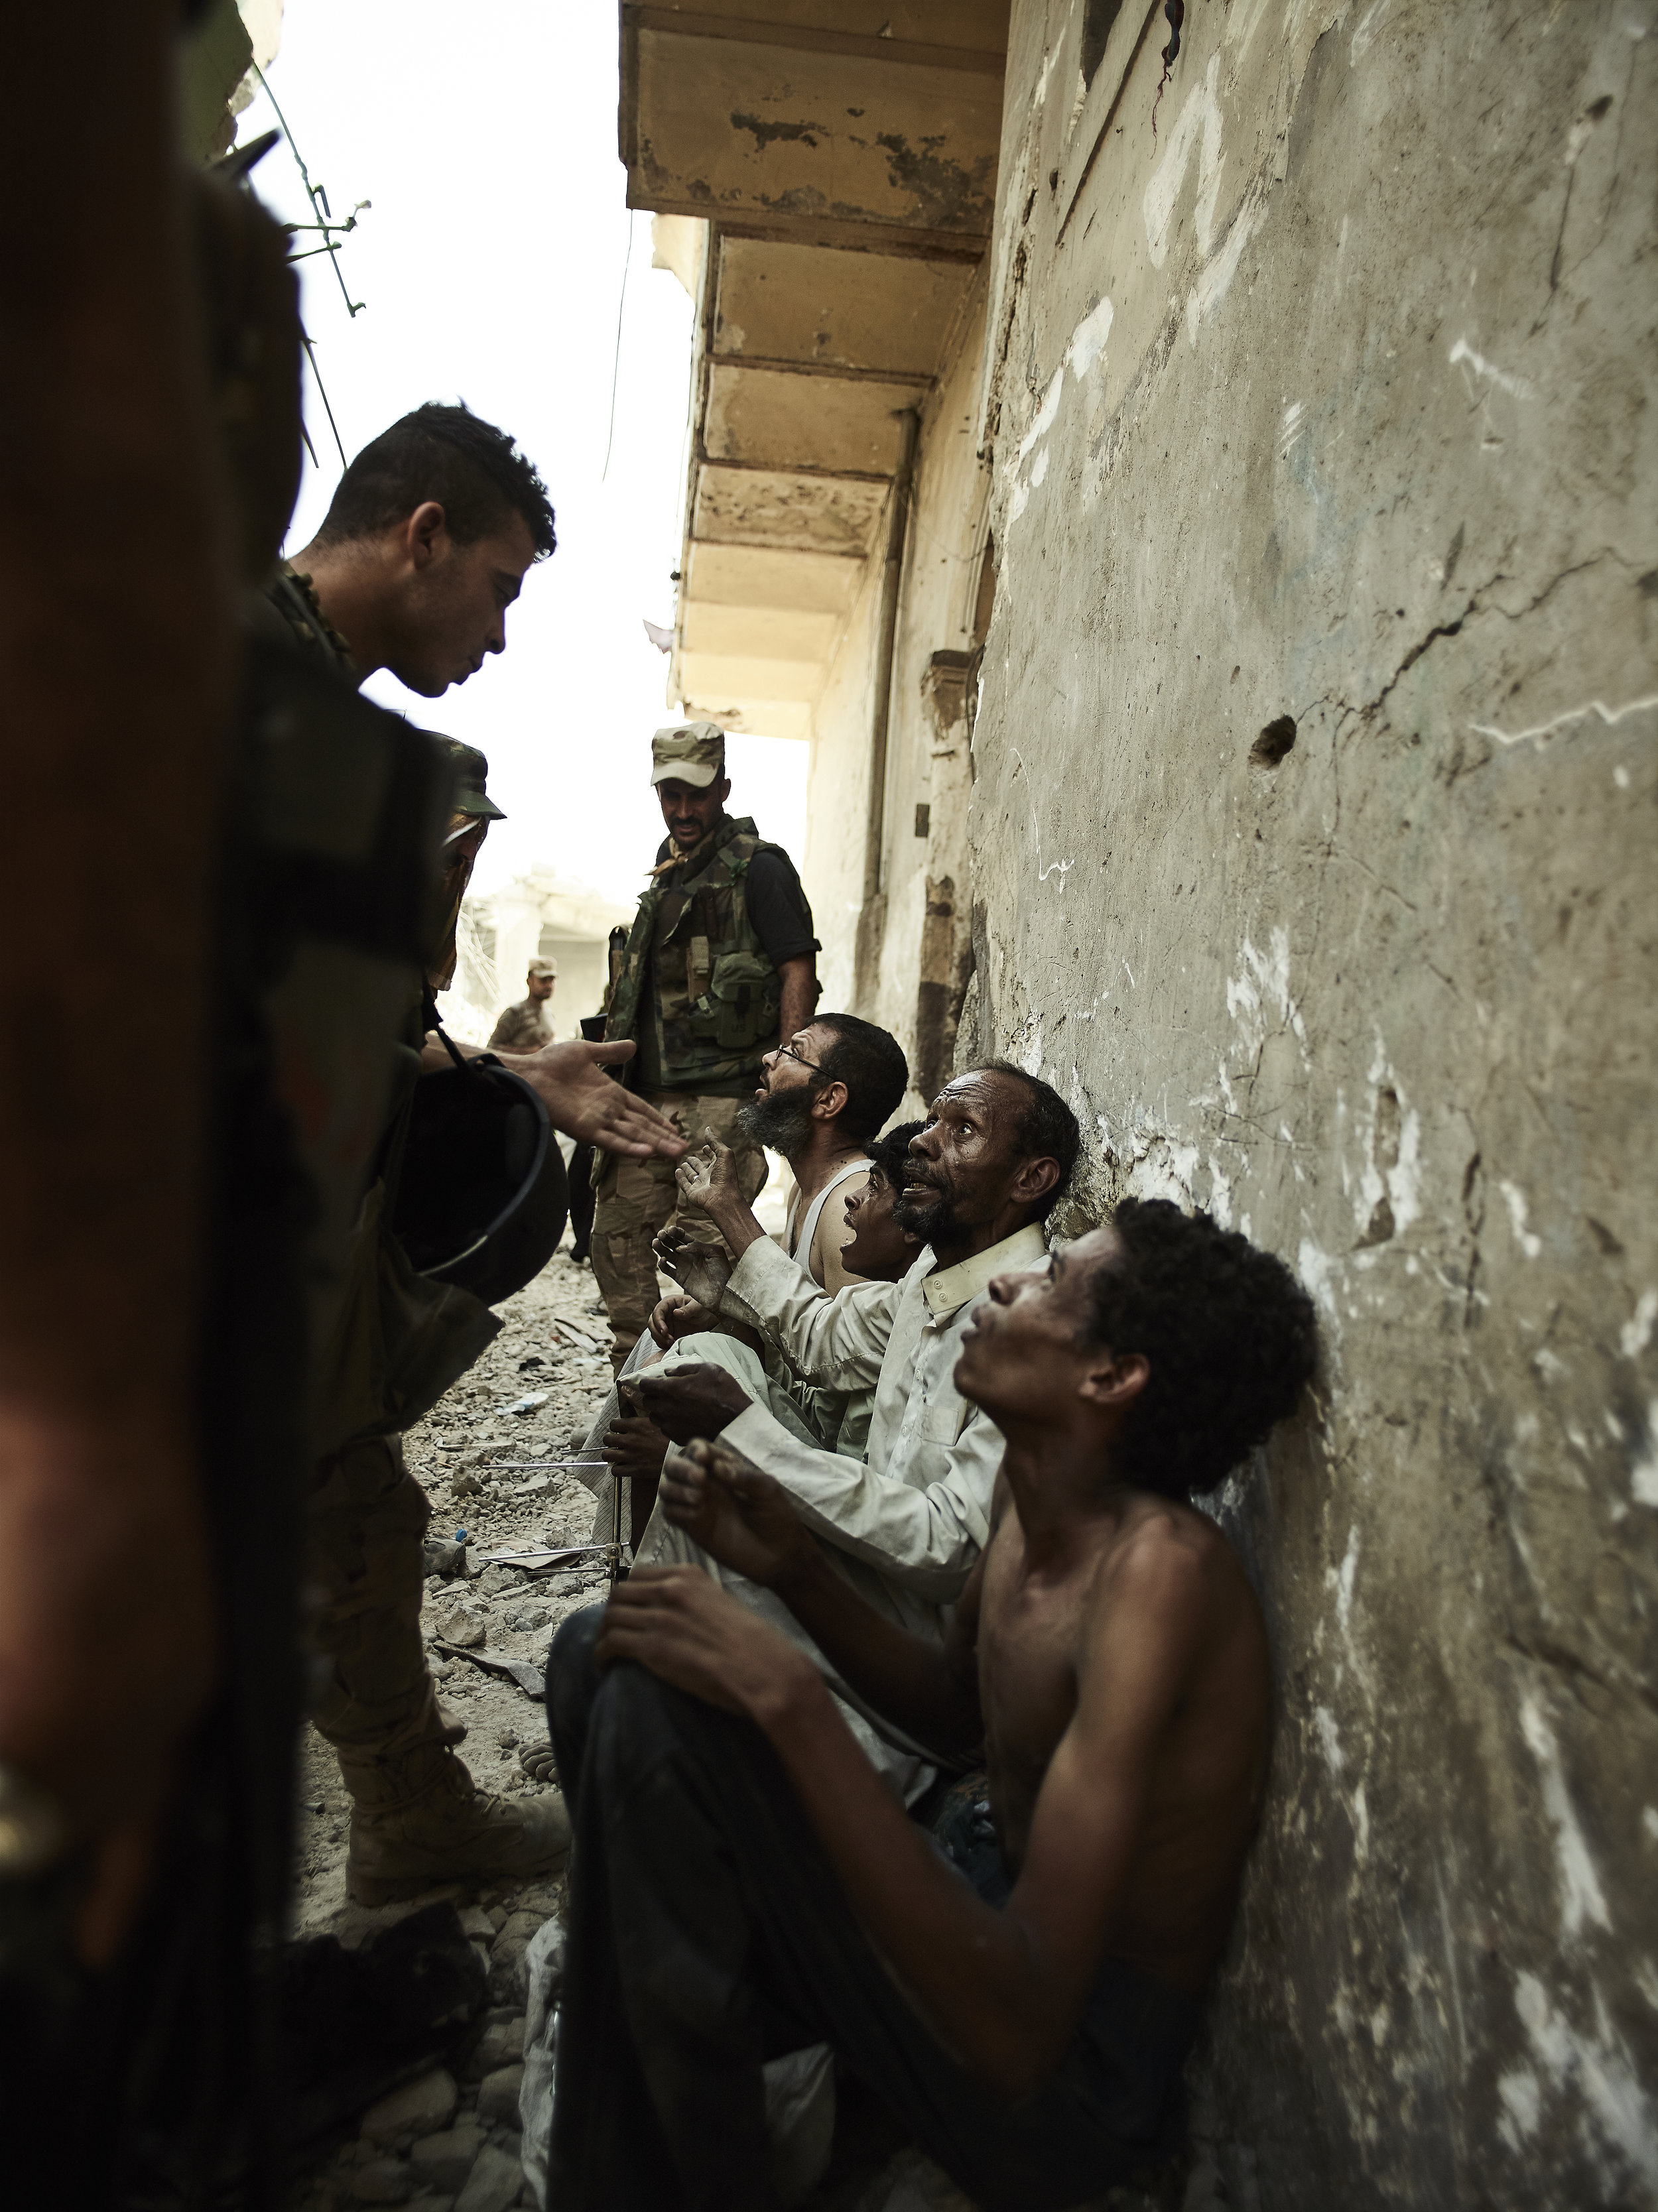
(921, 923)
(1328, 416)
(838, 796)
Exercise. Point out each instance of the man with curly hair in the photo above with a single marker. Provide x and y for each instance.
(1020, 1987)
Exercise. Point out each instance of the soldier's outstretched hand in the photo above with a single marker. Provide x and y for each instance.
(571, 1081)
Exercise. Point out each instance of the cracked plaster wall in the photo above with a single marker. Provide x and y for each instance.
(1333, 402)
(927, 781)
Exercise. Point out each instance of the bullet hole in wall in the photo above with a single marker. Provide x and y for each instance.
(1274, 742)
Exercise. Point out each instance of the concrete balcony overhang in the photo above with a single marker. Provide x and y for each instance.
(841, 160)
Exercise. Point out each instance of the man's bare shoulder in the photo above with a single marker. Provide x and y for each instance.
(1165, 1553)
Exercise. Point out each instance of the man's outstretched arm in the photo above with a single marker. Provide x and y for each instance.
(581, 1099)
(839, 1340)
(1004, 1990)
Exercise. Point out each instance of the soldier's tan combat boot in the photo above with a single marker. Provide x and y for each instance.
(420, 1820)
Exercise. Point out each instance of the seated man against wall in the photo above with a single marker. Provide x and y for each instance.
(822, 1096)
(743, 1884)
(905, 1522)
(878, 1249)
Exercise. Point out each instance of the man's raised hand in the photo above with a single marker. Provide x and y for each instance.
(702, 1270)
(738, 1516)
(677, 1315)
(634, 1447)
(581, 1099)
(692, 1401)
(676, 1621)
(708, 1175)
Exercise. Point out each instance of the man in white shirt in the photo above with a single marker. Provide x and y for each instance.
(822, 1096)
(907, 1523)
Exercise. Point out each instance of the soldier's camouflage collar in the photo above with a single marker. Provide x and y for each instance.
(306, 590)
(705, 848)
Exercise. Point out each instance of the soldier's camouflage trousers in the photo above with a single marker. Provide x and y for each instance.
(368, 1516)
(636, 1200)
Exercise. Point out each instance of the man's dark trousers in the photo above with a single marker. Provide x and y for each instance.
(709, 1932)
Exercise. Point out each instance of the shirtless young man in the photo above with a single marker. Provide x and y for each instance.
(1025, 2001)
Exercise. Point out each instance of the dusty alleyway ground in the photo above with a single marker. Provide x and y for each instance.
(448, 2141)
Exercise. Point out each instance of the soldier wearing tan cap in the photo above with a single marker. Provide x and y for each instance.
(720, 965)
(524, 1027)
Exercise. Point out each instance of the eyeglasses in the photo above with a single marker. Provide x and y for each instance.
(787, 1052)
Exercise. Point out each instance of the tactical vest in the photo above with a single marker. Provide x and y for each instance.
(717, 998)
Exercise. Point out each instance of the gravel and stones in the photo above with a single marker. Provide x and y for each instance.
(493, 2183)
(418, 2108)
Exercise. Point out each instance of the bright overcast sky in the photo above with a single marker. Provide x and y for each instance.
(490, 265)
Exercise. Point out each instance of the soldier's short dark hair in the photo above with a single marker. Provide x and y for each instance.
(474, 472)
(870, 1062)
(1047, 1127)
(1228, 1332)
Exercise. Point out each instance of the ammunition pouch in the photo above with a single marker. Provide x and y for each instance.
(741, 1005)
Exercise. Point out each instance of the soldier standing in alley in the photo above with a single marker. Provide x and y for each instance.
(429, 536)
(721, 964)
(524, 1027)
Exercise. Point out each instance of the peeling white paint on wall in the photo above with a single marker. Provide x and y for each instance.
(1043, 422)
(1523, 2106)
(1316, 1270)
(1198, 129)
(1515, 386)
(1539, 737)
(1515, 1199)
(1261, 982)
(1598, 2068)
(1580, 1897)
(1220, 1193)
(1165, 1171)
(1324, 1724)
(1637, 1333)
(1398, 1179)
(1644, 1475)
(1370, 25)
(1088, 340)
(1340, 1579)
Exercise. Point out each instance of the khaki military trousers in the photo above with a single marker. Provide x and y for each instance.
(636, 1199)
(379, 1703)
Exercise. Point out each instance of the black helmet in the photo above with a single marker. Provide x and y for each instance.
(481, 1198)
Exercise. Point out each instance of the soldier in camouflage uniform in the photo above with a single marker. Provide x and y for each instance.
(720, 965)
(524, 1027)
(365, 598)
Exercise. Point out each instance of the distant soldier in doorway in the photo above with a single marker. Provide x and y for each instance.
(720, 966)
(524, 1027)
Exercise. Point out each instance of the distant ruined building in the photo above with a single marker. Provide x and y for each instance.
(1203, 520)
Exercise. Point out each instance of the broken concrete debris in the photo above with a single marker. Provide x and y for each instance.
(437, 2141)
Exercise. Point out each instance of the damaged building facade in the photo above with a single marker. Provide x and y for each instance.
(1202, 519)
